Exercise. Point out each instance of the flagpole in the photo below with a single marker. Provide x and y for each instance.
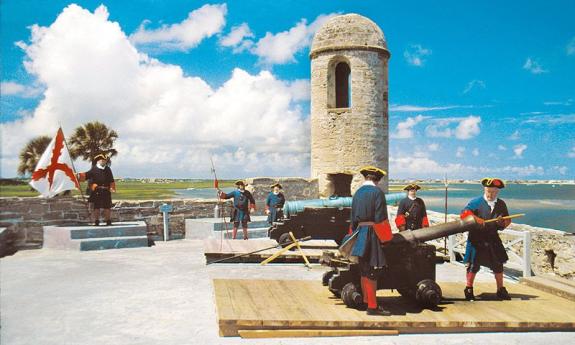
(75, 174)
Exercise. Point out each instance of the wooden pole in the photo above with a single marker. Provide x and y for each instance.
(256, 251)
(75, 174)
(445, 214)
(504, 218)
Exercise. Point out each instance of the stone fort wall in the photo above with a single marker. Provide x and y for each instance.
(24, 218)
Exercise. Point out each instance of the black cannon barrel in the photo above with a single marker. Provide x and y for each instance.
(435, 231)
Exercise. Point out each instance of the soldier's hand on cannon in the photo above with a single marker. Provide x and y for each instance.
(267, 211)
(252, 210)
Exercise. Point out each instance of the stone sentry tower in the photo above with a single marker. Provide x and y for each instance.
(349, 110)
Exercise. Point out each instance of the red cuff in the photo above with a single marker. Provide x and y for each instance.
(383, 231)
(252, 206)
(350, 230)
(466, 213)
(400, 220)
(425, 222)
(267, 207)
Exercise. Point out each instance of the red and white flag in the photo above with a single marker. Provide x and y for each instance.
(54, 173)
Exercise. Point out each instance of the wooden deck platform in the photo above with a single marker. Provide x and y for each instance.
(215, 249)
(307, 305)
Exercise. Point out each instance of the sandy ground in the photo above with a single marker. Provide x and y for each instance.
(162, 295)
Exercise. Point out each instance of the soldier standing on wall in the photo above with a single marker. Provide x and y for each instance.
(244, 203)
(484, 247)
(275, 203)
(411, 213)
(101, 184)
(369, 219)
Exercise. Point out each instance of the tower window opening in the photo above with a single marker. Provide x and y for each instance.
(342, 85)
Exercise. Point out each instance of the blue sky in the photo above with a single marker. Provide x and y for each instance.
(475, 89)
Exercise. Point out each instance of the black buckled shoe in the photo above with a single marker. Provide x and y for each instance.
(378, 311)
(96, 223)
(469, 294)
(108, 222)
(502, 294)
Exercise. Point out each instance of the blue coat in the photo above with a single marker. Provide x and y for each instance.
(242, 202)
(484, 243)
(368, 205)
(275, 203)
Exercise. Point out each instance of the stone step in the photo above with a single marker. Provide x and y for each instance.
(200, 228)
(90, 237)
(114, 243)
(107, 231)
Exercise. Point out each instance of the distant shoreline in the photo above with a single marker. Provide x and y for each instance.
(392, 181)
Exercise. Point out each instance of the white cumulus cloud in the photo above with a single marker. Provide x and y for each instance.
(404, 129)
(460, 128)
(474, 84)
(11, 88)
(281, 47)
(519, 149)
(475, 152)
(238, 38)
(514, 136)
(415, 55)
(407, 108)
(201, 23)
(533, 66)
(460, 152)
(169, 124)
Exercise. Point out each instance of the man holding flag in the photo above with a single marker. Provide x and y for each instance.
(101, 184)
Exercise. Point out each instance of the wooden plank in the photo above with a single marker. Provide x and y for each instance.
(305, 333)
(282, 304)
(557, 286)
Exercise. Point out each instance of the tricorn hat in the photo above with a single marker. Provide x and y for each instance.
(371, 170)
(412, 186)
(240, 183)
(276, 185)
(100, 156)
(493, 182)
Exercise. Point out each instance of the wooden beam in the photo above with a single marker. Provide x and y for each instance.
(305, 333)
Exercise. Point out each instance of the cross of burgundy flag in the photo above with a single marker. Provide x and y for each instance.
(54, 173)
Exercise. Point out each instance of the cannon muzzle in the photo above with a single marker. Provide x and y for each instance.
(435, 231)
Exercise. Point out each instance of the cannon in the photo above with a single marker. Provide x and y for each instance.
(410, 270)
(322, 219)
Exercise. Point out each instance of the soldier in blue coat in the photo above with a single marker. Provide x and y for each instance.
(411, 213)
(275, 203)
(369, 220)
(244, 203)
(484, 246)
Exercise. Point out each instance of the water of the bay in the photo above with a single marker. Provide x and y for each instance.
(544, 205)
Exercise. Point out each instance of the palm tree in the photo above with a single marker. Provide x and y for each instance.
(91, 139)
(31, 153)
